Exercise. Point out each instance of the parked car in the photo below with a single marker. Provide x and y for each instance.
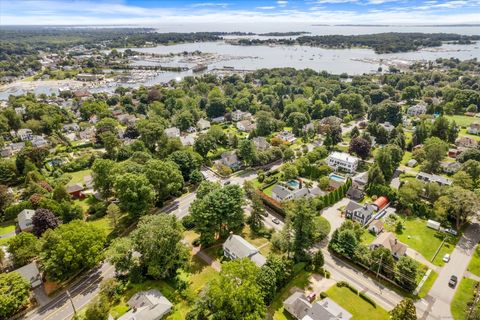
(446, 257)
(227, 183)
(451, 231)
(276, 221)
(453, 281)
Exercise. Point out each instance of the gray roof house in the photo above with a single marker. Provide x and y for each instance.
(282, 193)
(361, 213)
(387, 240)
(203, 124)
(147, 305)
(30, 273)
(172, 132)
(299, 307)
(235, 247)
(24, 219)
(426, 177)
(261, 143)
(230, 159)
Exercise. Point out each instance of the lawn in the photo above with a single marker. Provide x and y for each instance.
(425, 240)
(77, 177)
(428, 284)
(359, 308)
(474, 266)
(103, 224)
(7, 227)
(367, 238)
(464, 133)
(463, 295)
(268, 191)
(463, 121)
(276, 307)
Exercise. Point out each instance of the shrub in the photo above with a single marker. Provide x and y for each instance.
(323, 295)
(188, 222)
(368, 299)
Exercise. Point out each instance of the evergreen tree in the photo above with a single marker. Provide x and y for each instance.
(405, 310)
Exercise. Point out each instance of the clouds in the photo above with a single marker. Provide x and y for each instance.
(141, 12)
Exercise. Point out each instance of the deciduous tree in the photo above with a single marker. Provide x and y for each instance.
(14, 293)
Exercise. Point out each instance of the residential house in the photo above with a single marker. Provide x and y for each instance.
(261, 143)
(450, 167)
(88, 133)
(75, 191)
(25, 134)
(283, 193)
(12, 148)
(326, 309)
(203, 124)
(218, 119)
(387, 126)
(355, 193)
(20, 110)
(342, 160)
(361, 213)
(245, 126)
(236, 247)
(31, 273)
(71, 127)
(89, 77)
(309, 127)
(230, 159)
(286, 136)
(360, 180)
(187, 140)
(39, 141)
(389, 241)
(466, 142)
(24, 220)
(427, 177)
(239, 115)
(376, 227)
(126, 118)
(412, 163)
(147, 305)
(172, 132)
(88, 181)
(474, 128)
(417, 110)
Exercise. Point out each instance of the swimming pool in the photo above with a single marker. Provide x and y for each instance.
(293, 183)
(337, 178)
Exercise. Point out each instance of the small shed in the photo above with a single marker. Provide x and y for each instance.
(433, 224)
(75, 191)
(381, 203)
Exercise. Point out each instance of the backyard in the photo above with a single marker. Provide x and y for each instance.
(426, 241)
(77, 176)
(462, 121)
(353, 303)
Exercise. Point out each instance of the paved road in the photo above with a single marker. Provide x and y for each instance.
(441, 295)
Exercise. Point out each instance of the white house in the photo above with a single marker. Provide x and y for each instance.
(287, 136)
(245, 126)
(236, 247)
(427, 177)
(150, 305)
(300, 308)
(474, 128)
(25, 134)
(24, 219)
(417, 110)
(203, 124)
(342, 160)
(172, 132)
(238, 115)
(261, 143)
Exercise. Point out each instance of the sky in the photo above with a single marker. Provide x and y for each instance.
(150, 12)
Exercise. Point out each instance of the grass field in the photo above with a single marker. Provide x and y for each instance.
(428, 284)
(463, 121)
(77, 177)
(463, 295)
(474, 266)
(463, 132)
(359, 308)
(426, 241)
(7, 227)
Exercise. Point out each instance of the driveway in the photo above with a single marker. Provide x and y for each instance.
(441, 295)
(333, 214)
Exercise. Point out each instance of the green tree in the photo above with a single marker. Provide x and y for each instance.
(383, 261)
(121, 255)
(375, 175)
(165, 177)
(406, 273)
(290, 171)
(135, 193)
(384, 161)
(463, 205)
(98, 309)
(218, 212)
(23, 248)
(318, 260)
(14, 294)
(405, 310)
(267, 280)
(255, 219)
(247, 151)
(159, 241)
(8, 172)
(111, 144)
(70, 248)
(435, 150)
(234, 294)
(301, 215)
(463, 179)
(360, 146)
(188, 161)
(113, 214)
(103, 178)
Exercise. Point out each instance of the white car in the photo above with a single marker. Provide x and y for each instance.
(446, 257)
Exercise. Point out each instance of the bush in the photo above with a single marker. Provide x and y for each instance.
(368, 299)
(341, 284)
(13, 210)
(196, 242)
(323, 295)
(188, 222)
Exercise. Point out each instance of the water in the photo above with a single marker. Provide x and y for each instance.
(336, 61)
(337, 178)
(293, 183)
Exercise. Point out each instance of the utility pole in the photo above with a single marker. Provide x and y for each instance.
(71, 301)
(380, 264)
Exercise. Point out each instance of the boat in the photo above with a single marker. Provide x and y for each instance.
(199, 67)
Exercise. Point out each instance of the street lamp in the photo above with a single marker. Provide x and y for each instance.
(71, 301)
